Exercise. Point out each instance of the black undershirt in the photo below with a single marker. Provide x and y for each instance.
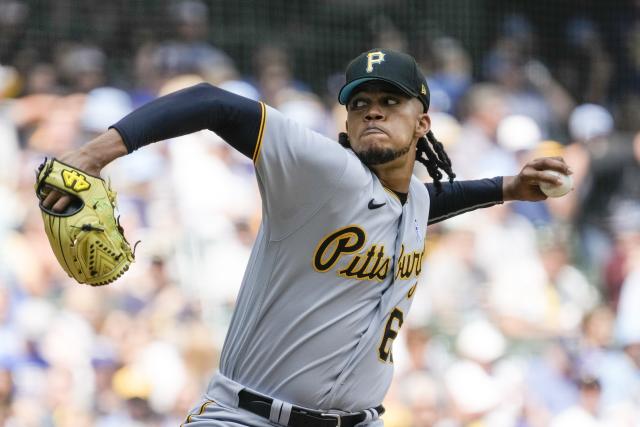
(463, 196)
(401, 196)
(234, 118)
(237, 120)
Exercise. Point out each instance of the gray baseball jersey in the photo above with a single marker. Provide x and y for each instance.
(335, 264)
(331, 275)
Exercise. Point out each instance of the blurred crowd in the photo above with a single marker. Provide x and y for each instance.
(526, 315)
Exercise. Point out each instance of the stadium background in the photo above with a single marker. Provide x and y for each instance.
(526, 315)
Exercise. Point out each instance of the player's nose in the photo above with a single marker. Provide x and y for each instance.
(374, 113)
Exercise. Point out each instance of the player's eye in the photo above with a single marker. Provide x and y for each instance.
(358, 103)
(391, 101)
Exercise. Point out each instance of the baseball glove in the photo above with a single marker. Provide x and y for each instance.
(86, 238)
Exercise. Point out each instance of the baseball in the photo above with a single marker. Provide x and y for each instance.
(552, 190)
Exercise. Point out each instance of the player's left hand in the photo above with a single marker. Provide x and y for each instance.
(525, 185)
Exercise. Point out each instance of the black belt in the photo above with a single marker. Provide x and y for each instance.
(301, 417)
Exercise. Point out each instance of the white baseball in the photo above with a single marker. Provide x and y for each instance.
(560, 190)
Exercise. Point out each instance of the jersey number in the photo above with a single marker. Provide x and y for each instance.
(396, 318)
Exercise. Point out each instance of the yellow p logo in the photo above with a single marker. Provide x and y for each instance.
(374, 58)
(75, 181)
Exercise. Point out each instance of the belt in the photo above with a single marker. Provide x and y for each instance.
(301, 417)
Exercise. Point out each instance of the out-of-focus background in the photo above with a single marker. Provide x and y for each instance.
(526, 315)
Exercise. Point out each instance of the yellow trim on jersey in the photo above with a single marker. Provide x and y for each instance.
(202, 408)
(393, 193)
(256, 150)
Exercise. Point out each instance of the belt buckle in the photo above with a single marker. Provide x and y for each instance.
(336, 416)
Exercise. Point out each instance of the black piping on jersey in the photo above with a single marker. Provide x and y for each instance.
(234, 118)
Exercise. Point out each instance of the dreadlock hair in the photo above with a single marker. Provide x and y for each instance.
(434, 159)
(343, 139)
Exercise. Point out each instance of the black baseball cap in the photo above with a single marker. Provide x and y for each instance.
(389, 66)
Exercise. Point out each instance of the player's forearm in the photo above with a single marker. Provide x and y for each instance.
(104, 149)
(463, 196)
(97, 153)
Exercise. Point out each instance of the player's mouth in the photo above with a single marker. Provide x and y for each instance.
(373, 130)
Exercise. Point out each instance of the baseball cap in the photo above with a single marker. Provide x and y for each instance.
(389, 66)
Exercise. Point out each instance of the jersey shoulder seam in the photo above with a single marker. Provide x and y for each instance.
(284, 236)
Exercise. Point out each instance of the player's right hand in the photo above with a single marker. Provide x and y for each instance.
(526, 185)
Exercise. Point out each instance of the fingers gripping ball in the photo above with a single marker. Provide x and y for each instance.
(86, 238)
(559, 190)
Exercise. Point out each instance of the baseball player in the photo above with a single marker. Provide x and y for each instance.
(335, 264)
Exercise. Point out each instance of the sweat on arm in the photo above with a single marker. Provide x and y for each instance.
(234, 118)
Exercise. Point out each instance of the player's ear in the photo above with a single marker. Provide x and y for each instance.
(423, 124)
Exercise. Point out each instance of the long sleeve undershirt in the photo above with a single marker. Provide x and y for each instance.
(463, 196)
(237, 120)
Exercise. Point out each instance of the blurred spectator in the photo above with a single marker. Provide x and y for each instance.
(506, 246)
(557, 294)
(305, 108)
(521, 135)
(551, 381)
(451, 76)
(422, 395)
(628, 317)
(9, 160)
(574, 296)
(530, 88)
(6, 388)
(103, 107)
(446, 127)
(625, 224)
(190, 52)
(585, 412)
(619, 374)
(43, 79)
(274, 74)
(476, 153)
(507, 327)
(596, 338)
(518, 133)
(453, 286)
(10, 83)
(82, 67)
(49, 123)
(587, 68)
(13, 17)
(481, 391)
(605, 166)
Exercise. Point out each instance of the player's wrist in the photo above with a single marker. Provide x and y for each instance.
(507, 188)
(102, 150)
